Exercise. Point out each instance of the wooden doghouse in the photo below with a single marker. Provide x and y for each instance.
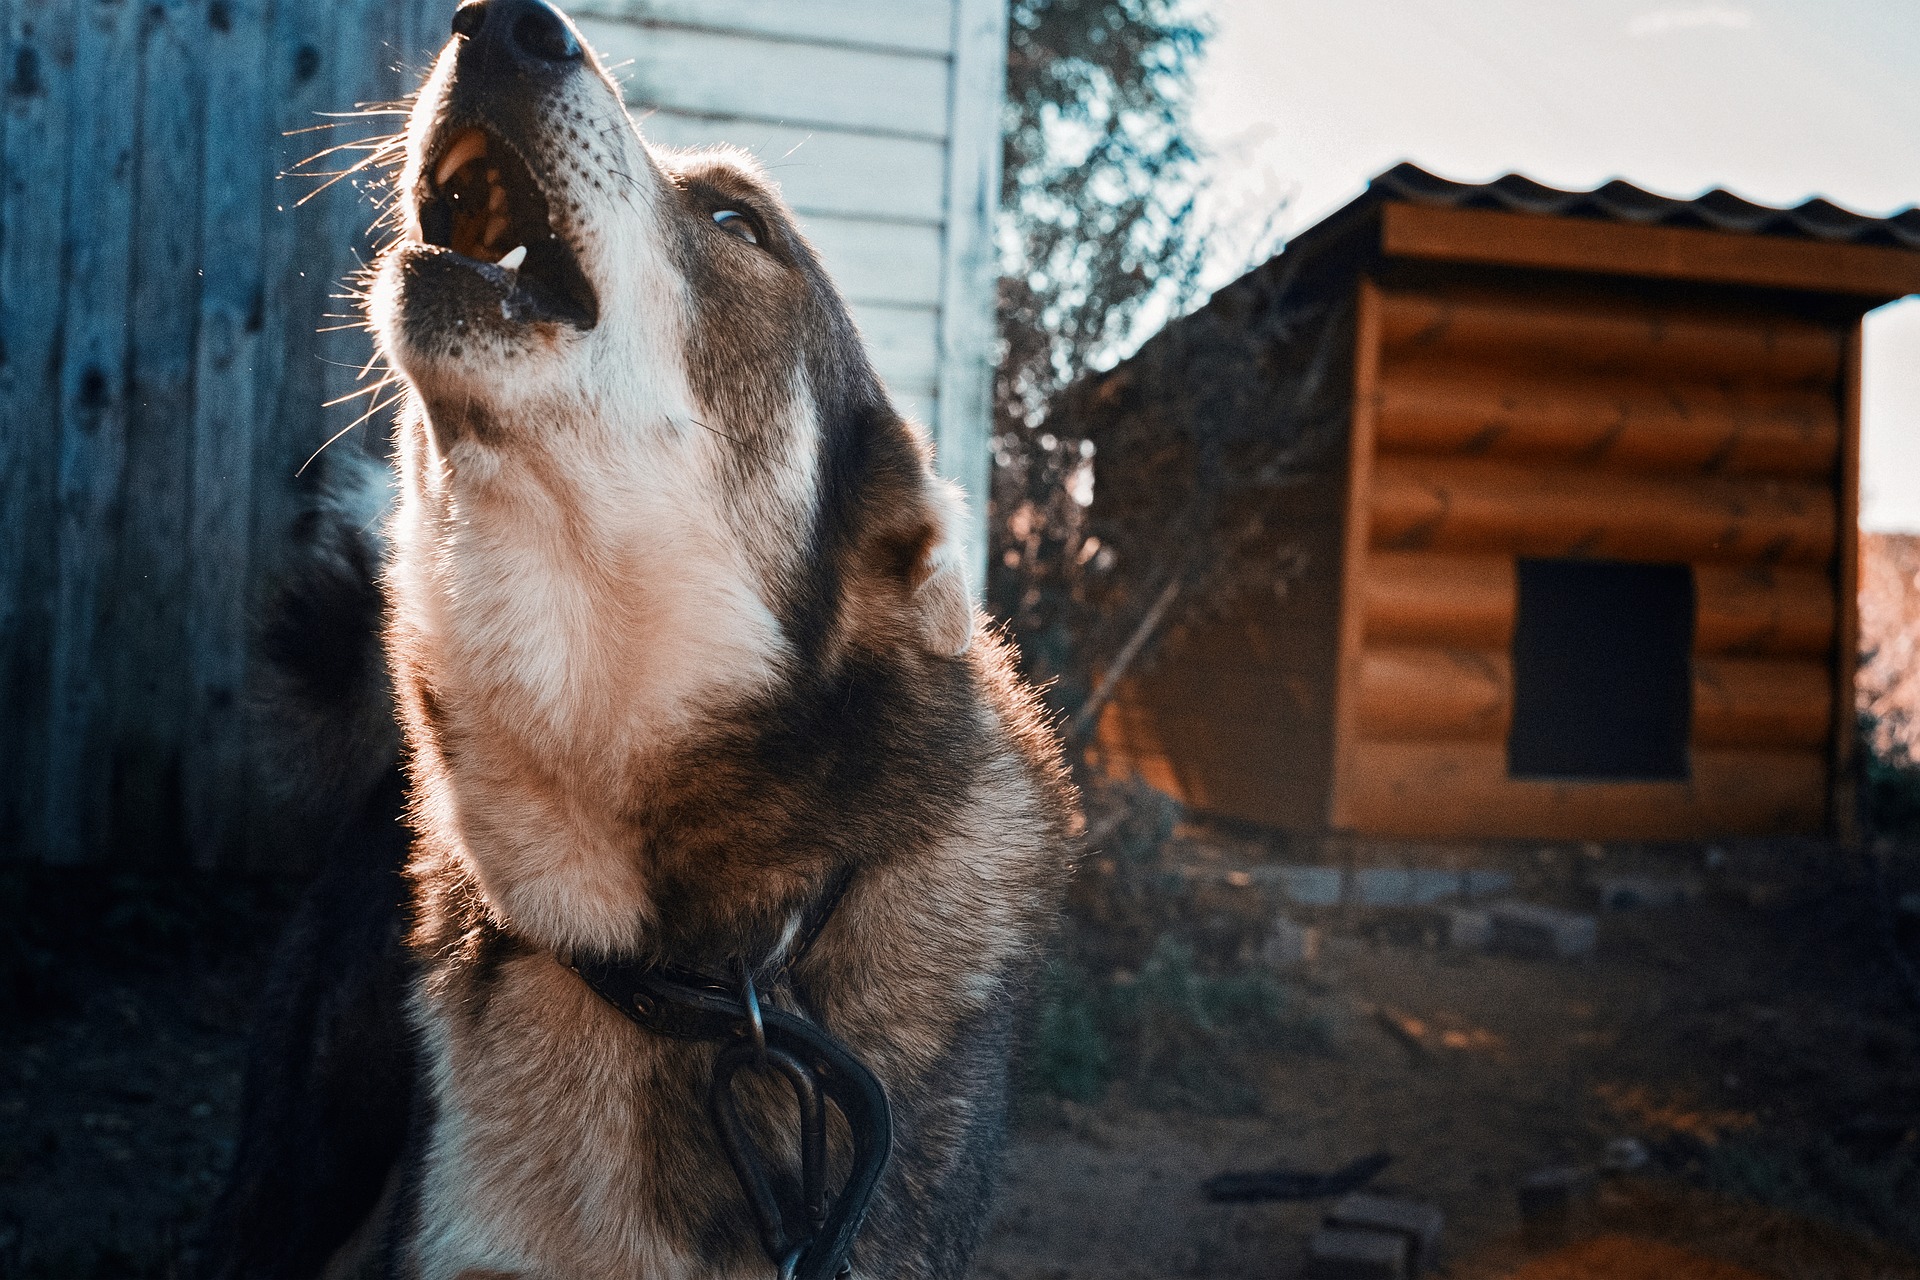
(1573, 478)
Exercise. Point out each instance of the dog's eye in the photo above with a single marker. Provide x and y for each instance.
(735, 223)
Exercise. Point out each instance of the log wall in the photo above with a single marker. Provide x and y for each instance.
(1499, 426)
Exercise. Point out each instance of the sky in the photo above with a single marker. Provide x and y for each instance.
(1301, 101)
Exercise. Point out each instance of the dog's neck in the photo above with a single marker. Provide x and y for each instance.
(552, 640)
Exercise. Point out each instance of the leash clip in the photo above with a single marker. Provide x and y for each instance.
(756, 1025)
(814, 1242)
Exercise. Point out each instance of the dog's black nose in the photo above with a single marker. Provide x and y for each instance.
(528, 31)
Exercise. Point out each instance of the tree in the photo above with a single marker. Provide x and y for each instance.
(1098, 232)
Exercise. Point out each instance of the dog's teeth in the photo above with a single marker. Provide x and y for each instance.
(468, 146)
(513, 257)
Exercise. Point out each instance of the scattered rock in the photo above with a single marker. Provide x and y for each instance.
(1546, 1202)
(1419, 1224)
(1632, 893)
(1625, 1155)
(1294, 1184)
(1290, 944)
(1530, 929)
(1469, 928)
(1341, 1253)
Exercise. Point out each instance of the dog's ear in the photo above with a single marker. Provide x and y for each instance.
(941, 597)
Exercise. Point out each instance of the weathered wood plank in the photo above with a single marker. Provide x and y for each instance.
(1763, 611)
(150, 572)
(1631, 424)
(1557, 334)
(311, 59)
(969, 331)
(888, 263)
(919, 405)
(1498, 238)
(37, 73)
(825, 171)
(713, 73)
(1844, 741)
(93, 424)
(1459, 504)
(1410, 694)
(1430, 598)
(904, 343)
(225, 426)
(917, 26)
(1356, 535)
(1762, 703)
(1468, 601)
(1440, 789)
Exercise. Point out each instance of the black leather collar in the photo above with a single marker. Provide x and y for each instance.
(813, 1240)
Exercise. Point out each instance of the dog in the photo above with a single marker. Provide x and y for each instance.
(688, 678)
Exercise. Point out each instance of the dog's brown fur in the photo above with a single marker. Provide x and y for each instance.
(679, 637)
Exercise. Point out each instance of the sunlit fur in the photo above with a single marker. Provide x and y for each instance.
(678, 628)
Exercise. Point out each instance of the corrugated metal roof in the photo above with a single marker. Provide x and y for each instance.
(1619, 201)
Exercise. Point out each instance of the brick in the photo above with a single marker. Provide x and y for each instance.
(1527, 928)
(1344, 1253)
(1418, 1224)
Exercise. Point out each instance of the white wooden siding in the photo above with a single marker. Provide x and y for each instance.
(721, 73)
(880, 120)
(913, 26)
(827, 170)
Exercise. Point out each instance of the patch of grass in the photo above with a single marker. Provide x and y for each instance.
(1823, 1180)
(1178, 1036)
(1889, 781)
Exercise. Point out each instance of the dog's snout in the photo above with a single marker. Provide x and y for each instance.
(529, 32)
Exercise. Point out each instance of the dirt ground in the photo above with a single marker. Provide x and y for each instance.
(1756, 1041)
(1731, 1036)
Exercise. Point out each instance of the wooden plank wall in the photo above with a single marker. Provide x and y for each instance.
(1517, 425)
(880, 119)
(161, 381)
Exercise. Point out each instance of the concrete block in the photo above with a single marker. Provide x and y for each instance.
(1546, 1199)
(1406, 886)
(1383, 887)
(1343, 1253)
(1630, 893)
(1480, 883)
(1469, 928)
(1419, 1224)
(1289, 944)
(1312, 886)
(1529, 929)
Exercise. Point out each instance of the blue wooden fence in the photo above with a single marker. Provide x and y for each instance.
(161, 382)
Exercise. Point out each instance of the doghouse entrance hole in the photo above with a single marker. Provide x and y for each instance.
(1602, 670)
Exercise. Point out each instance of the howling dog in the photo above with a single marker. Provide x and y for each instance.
(686, 931)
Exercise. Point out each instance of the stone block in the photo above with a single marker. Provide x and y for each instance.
(1343, 1253)
(1546, 1199)
(1482, 883)
(1469, 928)
(1419, 1224)
(1631, 893)
(1312, 886)
(1289, 944)
(1529, 929)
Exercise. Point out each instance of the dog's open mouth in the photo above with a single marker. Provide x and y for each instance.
(480, 201)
